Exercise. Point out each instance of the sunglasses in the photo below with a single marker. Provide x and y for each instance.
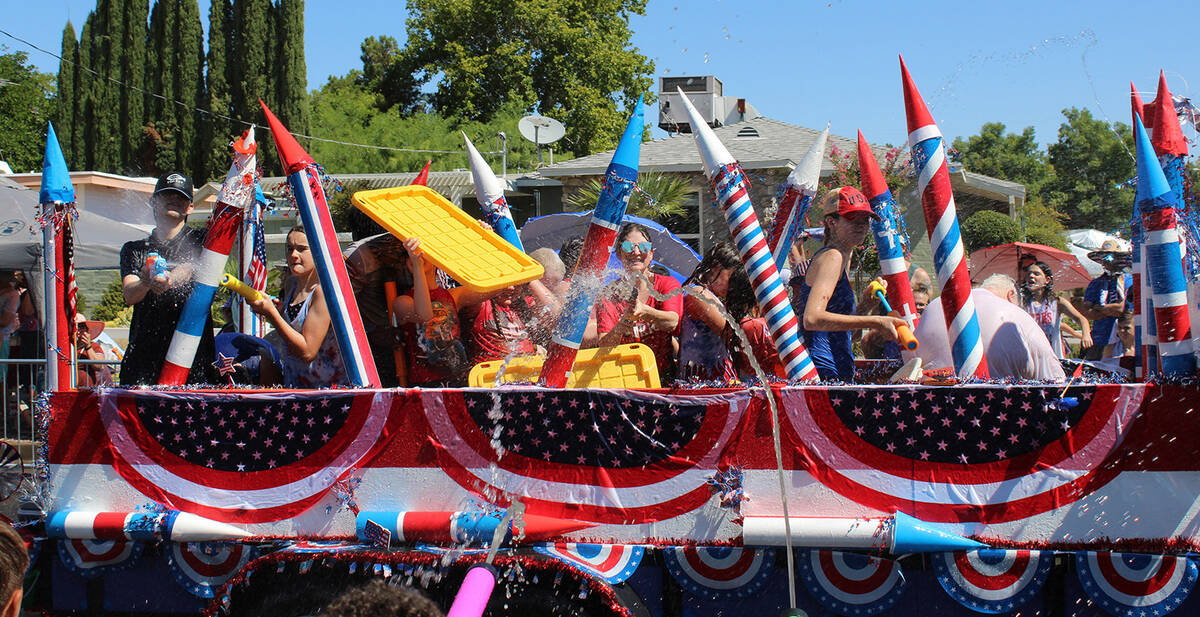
(643, 247)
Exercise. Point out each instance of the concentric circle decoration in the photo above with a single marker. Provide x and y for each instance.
(720, 572)
(851, 583)
(612, 562)
(1130, 584)
(12, 470)
(202, 567)
(93, 558)
(991, 580)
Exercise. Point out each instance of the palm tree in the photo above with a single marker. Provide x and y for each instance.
(657, 196)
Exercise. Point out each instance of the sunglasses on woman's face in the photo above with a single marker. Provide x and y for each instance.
(643, 247)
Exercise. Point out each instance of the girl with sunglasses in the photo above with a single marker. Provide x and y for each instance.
(638, 316)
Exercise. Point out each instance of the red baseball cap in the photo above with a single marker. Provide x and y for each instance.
(849, 200)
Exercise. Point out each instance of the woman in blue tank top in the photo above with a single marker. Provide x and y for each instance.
(824, 299)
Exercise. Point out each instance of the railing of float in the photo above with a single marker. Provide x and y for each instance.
(22, 381)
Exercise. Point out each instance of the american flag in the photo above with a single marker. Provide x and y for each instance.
(67, 271)
(256, 271)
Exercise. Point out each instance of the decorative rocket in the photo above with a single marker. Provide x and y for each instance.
(732, 190)
(489, 191)
(799, 190)
(617, 186)
(305, 182)
(887, 234)
(1146, 355)
(173, 525)
(898, 534)
(422, 178)
(57, 197)
(941, 219)
(1157, 203)
(460, 527)
(254, 273)
(237, 195)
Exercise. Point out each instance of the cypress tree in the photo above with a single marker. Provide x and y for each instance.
(161, 109)
(64, 123)
(110, 37)
(133, 73)
(217, 130)
(189, 87)
(250, 74)
(291, 89)
(84, 80)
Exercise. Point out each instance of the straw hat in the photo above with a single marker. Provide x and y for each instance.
(94, 328)
(1110, 253)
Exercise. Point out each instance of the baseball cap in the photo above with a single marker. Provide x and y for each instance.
(174, 181)
(849, 200)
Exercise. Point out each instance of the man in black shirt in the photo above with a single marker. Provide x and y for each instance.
(158, 299)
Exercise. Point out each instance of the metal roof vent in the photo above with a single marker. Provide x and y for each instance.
(747, 132)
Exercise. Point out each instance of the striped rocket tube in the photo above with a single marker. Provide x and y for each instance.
(732, 191)
(941, 219)
(345, 319)
(139, 526)
(618, 184)
(459, 527)
(887, 237)
(489, 191)
(1157, 202)
(1146, 351)
(798, 193)
(236, 194)
(57, 198)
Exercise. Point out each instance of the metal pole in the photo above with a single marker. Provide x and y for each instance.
(50, 301)
(503, 155)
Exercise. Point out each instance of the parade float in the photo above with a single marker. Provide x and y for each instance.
(989, 497)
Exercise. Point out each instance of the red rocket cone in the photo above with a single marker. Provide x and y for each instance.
(293, 155)
(422, 178)
(1167, 135)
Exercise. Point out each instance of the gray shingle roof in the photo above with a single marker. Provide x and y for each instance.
(778, 144)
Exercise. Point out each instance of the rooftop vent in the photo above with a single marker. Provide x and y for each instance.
(747, 132)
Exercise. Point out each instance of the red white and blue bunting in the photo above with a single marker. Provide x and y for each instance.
(202, 567)
(93, 558)
(992, 581)
(612, 562)
(1133, 585)
(720, 572)
(850, 583)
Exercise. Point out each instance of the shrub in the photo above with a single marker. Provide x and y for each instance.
(989, 228)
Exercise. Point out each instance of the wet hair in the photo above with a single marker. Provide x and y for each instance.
(739, 300)
(14, 560)
(629, 228)
(1046, 292)
(550, 261)
(378, 599)
(720, 256)
(569, 253)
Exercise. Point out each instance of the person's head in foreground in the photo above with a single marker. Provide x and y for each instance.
(1002, 285)
(1037, 282)
(713, 272)
(172, 199)
(847, 215)
(14, 560)
(379, 599)
(634, 248)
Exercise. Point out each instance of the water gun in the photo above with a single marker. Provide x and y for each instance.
(231, 282)
(907, 340)
(156, 265)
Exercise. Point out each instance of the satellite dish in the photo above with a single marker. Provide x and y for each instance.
(541, 130)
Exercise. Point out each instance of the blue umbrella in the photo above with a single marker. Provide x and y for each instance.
(551, 230)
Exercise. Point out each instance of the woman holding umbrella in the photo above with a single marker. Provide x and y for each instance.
(1046, 307)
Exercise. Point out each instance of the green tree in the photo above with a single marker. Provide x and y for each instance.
(659, 196)
(188, 73)
(64, 123)
(250, 68)
(133, 73)
(26, 104)
(83, 99)
(161, 125)
(218, 130)
(1091, 159)
(988, 228)
(1008, 156)
(291, 74)
(112, 302)
(568, 59)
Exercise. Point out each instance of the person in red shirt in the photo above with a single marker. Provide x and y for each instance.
(740, 302)
(629, 313)
(497, 328)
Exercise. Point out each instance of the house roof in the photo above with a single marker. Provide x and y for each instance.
(452, 184)
(97, 178)
(763, 143)
(759, 143)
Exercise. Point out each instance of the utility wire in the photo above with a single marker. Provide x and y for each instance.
(230, 118)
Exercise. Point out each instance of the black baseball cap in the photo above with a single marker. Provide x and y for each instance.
(174, 181)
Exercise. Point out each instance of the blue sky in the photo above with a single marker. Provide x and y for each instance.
(808, 62)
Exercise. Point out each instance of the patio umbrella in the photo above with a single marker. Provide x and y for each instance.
(551, 230)
(1003, 259)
